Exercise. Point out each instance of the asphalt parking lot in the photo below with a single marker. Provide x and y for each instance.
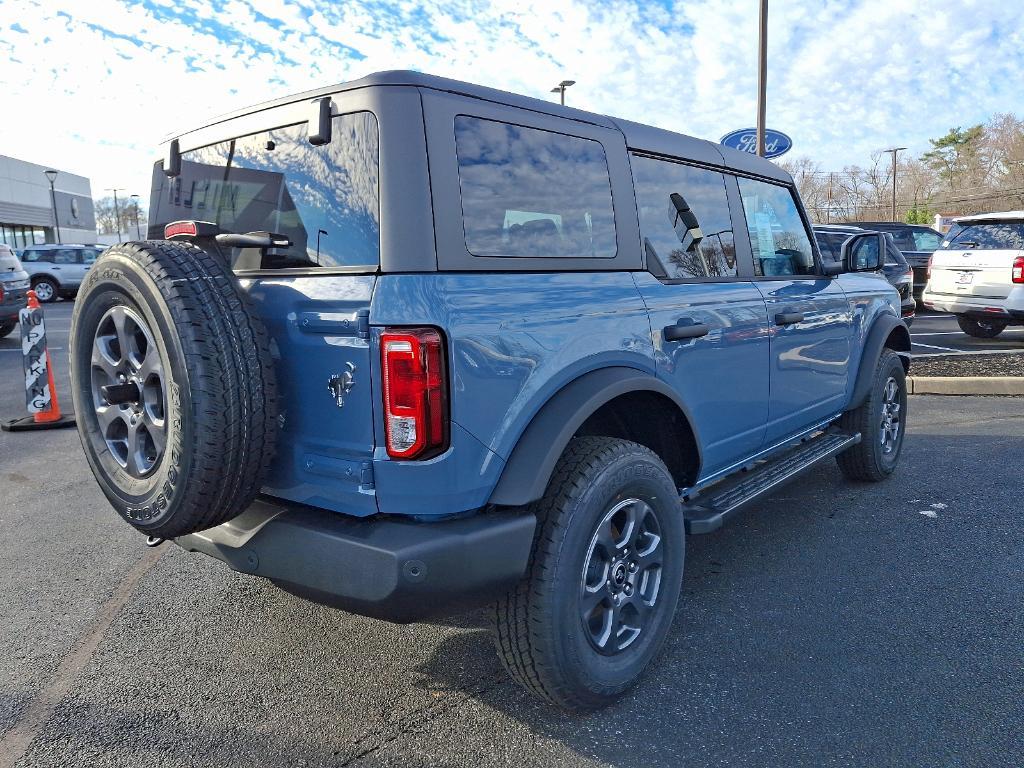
(832, 624)
(935, 334)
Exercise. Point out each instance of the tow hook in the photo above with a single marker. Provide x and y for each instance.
(154, 541)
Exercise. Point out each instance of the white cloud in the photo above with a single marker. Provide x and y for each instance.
(95, 85)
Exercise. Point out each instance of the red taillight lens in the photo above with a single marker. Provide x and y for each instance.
(1018, 270)
(179, 228)
(415, 392)
(1, 293)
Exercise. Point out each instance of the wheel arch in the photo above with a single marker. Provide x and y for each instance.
(888, 332)
(597, 403)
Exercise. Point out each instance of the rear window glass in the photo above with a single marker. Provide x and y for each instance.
(323, 198)
(986, 236)
(533, 193)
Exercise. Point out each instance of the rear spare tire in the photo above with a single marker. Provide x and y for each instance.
(173, 386)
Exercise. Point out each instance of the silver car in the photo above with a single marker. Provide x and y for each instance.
(58, 270)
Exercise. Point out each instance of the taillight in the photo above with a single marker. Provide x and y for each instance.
(1017, 273)
(415, 392)
(1, 292)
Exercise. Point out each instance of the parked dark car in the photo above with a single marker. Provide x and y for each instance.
(897, 270)
(915, 241)
(13, 290)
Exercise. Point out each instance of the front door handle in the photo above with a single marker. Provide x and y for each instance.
(681, 331)
(788, 318)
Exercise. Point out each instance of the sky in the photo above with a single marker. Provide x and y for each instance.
(92, 87)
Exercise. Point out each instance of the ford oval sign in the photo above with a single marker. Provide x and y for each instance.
(775, 142)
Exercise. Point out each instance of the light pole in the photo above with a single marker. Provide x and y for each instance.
(762, 75)
(138, 232)
(51, 176)
(560, 89)
(117, 211)
(893, 152)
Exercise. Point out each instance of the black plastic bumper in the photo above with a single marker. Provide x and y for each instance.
(399, 570)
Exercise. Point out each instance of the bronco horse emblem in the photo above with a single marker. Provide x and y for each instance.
(341, 384)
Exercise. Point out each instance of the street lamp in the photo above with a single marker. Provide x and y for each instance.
(117, 211)
(560, 89)
(893, 151)
(762, 75)
(138, 232)
(51, 176)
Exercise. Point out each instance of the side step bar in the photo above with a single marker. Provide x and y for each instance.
(709, 510)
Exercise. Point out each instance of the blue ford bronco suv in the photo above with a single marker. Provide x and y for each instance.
(408, 346)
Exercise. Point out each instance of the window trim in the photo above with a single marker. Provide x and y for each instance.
(744, 260)
(453, 255)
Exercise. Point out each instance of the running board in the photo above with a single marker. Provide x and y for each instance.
(710, 509)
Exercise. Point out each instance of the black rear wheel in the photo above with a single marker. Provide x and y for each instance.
(604, 578)
(980, 329)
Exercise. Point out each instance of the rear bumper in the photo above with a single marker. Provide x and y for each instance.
(398, 570)
(1010, 309)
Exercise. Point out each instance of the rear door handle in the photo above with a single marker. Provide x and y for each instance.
(788, 318)
(681, 331)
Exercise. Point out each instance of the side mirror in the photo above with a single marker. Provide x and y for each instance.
(863, 253)
(684, 222)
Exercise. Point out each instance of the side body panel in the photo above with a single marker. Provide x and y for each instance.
(513, 341)
(810, 359)
(723, 376)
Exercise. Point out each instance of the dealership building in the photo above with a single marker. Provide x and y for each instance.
(27, 205)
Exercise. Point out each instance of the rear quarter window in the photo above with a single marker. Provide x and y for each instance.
(528, 192)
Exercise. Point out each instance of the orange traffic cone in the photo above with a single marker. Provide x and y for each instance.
(33, 344)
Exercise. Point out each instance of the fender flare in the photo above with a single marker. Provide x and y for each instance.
(883, 328)
(532, 461)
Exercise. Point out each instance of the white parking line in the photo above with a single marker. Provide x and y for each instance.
(932, 346)
(967, 354)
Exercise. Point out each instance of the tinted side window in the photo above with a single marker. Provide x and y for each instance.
(324, 198)
(712, 253)
(64, 256)
(28, 257)
(926, 240)
(778, 237)
(533, 193)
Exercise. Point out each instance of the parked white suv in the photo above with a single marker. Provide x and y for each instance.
(58, 270)
(978, 273)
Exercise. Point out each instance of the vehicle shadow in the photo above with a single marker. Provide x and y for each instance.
(808, 626)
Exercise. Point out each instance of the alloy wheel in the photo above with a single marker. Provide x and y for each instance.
(129, 390)
(621, 576)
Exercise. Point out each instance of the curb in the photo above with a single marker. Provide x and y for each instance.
(965, 385)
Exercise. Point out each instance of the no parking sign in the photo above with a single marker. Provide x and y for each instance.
(35, 359)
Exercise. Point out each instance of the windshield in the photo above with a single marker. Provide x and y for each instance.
(986, 236)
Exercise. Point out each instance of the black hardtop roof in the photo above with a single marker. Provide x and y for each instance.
(638, 136)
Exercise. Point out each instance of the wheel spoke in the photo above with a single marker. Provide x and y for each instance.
(107, 415)
(155, 430)
(101, 360)
(117, 315)
(133, 449)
